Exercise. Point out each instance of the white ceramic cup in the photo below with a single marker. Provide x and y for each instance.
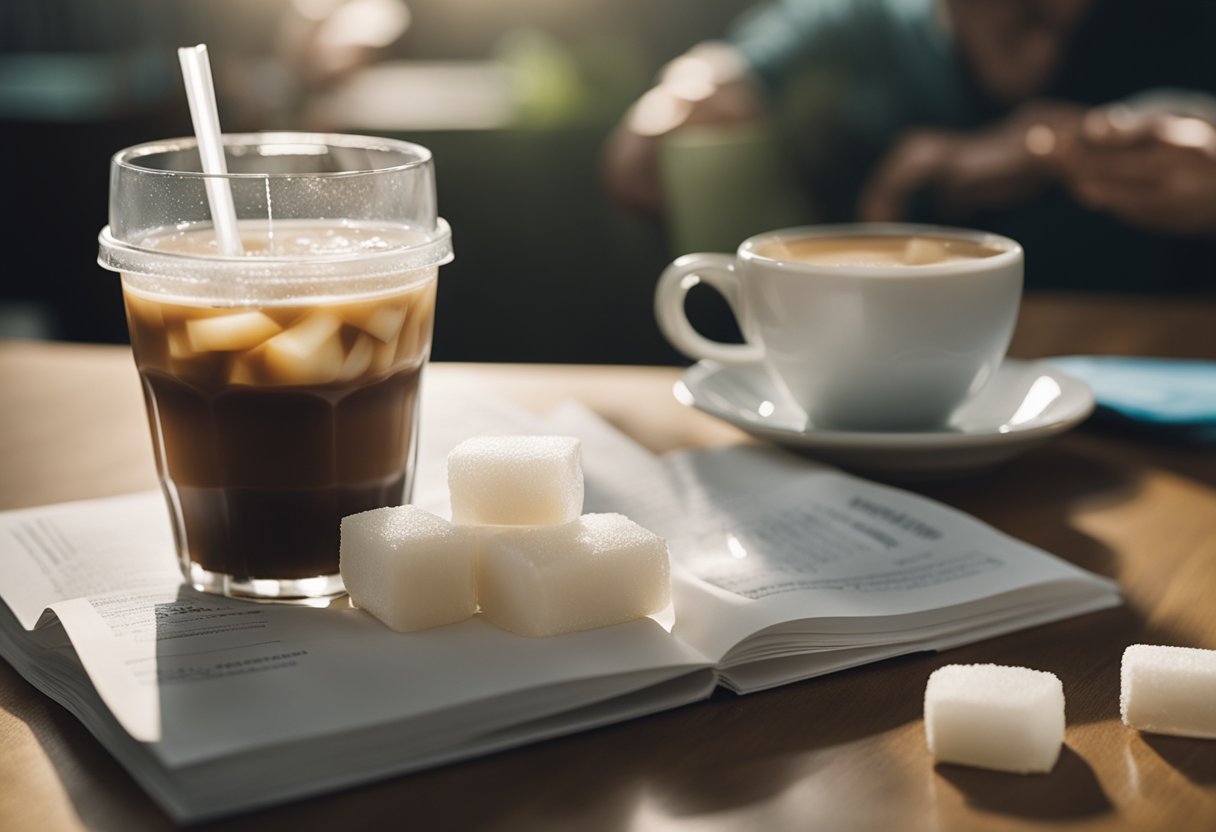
(875, 347)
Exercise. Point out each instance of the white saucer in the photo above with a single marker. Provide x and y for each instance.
(1025, 404)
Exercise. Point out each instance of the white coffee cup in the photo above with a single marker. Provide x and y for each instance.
(859, 342)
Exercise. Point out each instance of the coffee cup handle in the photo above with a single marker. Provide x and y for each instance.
(718, 270)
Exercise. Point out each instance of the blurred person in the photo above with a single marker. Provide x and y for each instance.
(1154, 167)
(1000, 114)
(268, 66)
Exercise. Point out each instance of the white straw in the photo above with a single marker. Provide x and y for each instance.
(200, 91)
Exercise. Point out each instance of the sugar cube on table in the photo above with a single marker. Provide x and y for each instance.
(408, 568)
(994, 716)
(598, 570)
(516, 480)
(1169, 690)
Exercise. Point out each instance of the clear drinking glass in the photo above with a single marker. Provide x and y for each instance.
(282, 383)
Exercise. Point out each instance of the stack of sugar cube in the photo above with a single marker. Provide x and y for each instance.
(517, 547)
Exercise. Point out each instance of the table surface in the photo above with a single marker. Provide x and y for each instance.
(841, 752)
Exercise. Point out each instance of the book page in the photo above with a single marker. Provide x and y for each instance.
(47, 555)
(764, 537)
(202, 677)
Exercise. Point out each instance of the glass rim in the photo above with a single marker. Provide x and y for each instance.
(126, 158)
(118, 255)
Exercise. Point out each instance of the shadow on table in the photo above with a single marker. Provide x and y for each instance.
(730, 753)
(723, 754)
(1193, 759)
(751, 749)
(1034, 499)
(1070, 792)
(1184, 453)
(1085, 652)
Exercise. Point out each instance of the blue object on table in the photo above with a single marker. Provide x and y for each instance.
(1175, 396)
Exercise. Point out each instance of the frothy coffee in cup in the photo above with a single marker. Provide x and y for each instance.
(865, 327)
(876, 251)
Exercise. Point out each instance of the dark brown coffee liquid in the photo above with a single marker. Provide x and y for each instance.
(264, 476)
(269, 430)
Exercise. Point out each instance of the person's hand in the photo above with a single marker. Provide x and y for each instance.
(966, 172)
(709, 85)
(1155, 171)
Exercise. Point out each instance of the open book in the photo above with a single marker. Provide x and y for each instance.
(782, 570)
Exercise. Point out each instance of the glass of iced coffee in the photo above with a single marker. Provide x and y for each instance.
(281, 381)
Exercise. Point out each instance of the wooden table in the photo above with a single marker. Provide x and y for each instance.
(843, 752)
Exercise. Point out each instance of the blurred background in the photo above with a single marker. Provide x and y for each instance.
(516, 98)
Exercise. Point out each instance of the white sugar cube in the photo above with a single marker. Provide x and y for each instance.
(598, 570)
(993, 716)
(409, 568)
(227, 333)
(1169, 690)
(516, 480)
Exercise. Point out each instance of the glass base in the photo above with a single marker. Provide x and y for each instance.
(309, 591)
